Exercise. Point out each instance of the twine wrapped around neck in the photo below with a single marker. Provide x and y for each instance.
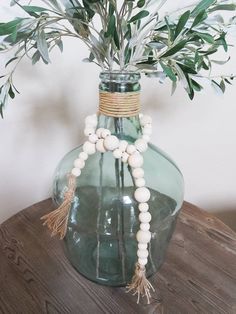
(119, 105)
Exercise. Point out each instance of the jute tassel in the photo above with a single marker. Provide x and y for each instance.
(139, 284)
(57, 220)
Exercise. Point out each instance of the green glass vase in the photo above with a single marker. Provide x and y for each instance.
(103, 222)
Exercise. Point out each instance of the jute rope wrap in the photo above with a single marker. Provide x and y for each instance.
(119, 105)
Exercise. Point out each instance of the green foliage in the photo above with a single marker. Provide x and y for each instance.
(132, 36)
(202, 6)
(188, 43)
(139, 16)
(181, 23)
(10, 27)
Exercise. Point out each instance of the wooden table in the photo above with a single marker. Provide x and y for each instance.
(198, 276)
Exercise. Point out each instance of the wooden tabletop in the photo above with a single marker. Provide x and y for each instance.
(198, 276)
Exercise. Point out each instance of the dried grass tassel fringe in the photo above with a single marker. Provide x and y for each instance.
(57, 220)
(139, 284)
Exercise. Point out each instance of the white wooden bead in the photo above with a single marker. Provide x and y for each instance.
(106, 133)
(142, 254)
(99, 132)
(144, 226)
(142, 246)
(131, 149)
(123, 145)
(76, 172)
(141, 145)
(83, 156)
(91, 121)
(79, 163)
(140, 182)
(89, 131)
(142, 261)
(147, 131)
(143, 207)
(124, 157)
(145, 217)
(111, 142)
(117, 153)
(135, 160)
(145, 120)
(100, 146)
(143, 236)
(142, 195)
(89, 148)
(138, 173)
(146, 137)
(93, 138)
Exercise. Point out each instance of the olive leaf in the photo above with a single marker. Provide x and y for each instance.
(223, 7)
(42, 46)
(168, 71)
(9, 28)
(202, 6)
(181, 23)
(141, 3)
(33, 10)
(173, 50)
(139, 16)
(199, 18)
(11, 60)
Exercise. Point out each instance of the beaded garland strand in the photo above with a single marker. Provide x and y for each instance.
(101, 140)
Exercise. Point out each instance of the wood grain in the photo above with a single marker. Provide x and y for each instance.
(198, 276)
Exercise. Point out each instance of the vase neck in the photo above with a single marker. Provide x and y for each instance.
(119, 104)
(119, 82)
(124, 128)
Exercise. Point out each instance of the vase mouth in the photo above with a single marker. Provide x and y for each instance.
(119, 76)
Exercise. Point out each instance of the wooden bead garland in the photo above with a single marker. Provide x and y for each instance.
(102, 141)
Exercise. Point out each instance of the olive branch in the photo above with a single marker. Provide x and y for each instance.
(127, 35)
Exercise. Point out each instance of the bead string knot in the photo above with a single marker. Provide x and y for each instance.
(69, 194)
(140, 285)
(57, 220)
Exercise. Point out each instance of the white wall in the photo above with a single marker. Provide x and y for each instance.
(46, 121)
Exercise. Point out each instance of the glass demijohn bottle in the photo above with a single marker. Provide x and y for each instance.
(101, 236)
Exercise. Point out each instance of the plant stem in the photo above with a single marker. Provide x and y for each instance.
(120, 208)
(122, 194)
(99, 215)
